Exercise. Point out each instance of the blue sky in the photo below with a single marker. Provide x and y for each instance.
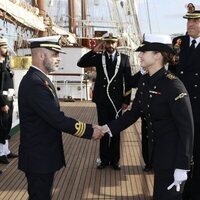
(166, 16)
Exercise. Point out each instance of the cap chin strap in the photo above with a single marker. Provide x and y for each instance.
(110, 80)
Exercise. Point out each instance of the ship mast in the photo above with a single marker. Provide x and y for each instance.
(84, 17)
(72, 16)
(84, 39)
(42, 12)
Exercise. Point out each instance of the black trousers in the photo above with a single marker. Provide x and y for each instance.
(109, 146)
(192, 189)
(162, 179)
(40, 185)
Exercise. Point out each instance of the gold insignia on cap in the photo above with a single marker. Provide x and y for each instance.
(50, 45)
(170, 76)
(110, 35)
(180, 96)
(61, 40)
(80, 127)
(191, 8)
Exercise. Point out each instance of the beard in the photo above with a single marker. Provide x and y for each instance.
(110, 50)
(4, 54)
(50, 66)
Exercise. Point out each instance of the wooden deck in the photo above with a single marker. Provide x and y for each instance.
(80, 179)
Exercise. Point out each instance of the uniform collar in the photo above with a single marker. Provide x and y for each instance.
(153, 79)
(113, 54)
(33, 66)
(197, 41)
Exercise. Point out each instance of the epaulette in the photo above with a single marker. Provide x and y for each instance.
(171, 76)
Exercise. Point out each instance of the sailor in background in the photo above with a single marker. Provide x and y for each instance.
(111, 92)
(41, 121)
(188, 70)
(163, 100)
(6, 102)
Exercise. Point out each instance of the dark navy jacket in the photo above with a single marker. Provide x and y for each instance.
(41, 125)
(188, 70)
(118, 94)
(164, 102)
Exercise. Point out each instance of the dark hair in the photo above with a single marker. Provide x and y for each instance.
(168, 58)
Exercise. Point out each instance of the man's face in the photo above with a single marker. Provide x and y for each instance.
(51, 61)
(3, 51)
(193, 27)
(110, 46)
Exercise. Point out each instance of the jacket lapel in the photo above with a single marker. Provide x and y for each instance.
(47, 83)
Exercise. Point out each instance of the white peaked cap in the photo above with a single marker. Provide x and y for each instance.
(50, 42)
(54, 38)
(110, 37)
(152, 42)
(165, 39)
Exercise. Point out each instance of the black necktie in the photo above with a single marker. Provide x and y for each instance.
(110, 58)
(192, 47)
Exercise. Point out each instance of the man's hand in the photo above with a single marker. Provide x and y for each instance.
(180, 175)
(104, 129)
(97, 132)
(5, 109)
(99, 47)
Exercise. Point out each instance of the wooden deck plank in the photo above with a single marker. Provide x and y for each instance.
(80, 179)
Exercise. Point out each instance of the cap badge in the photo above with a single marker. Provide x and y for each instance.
(191, 8)
(110, 35)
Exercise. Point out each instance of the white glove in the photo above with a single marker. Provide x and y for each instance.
(106, 129)
(180, 175)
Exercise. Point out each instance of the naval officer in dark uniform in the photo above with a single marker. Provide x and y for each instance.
(6, 102)
(41, 121)
(163, 100)
(111, 92)
(188, 70)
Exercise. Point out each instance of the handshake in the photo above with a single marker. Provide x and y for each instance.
(99, 131)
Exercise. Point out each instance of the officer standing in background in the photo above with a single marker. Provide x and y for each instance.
(111, 92)
(6, 102)
(188, 70)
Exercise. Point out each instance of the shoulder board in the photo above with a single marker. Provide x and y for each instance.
(171, 76)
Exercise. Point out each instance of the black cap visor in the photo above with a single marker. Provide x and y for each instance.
(155, 46)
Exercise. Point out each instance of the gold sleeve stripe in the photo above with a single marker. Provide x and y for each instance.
(180, 96)
(127, 93)
(80, 127)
